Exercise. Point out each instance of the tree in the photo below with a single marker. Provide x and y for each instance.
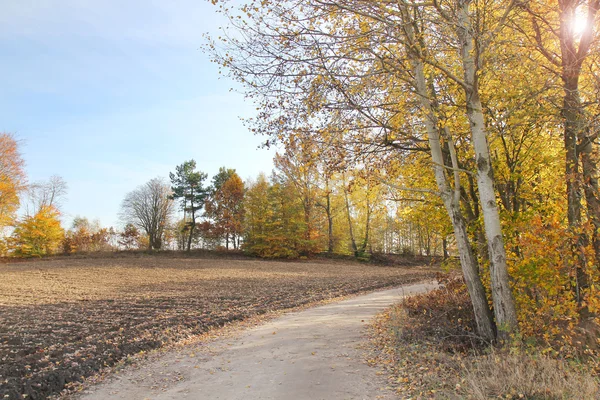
(12, 179)
(299, 166)
(187, 187)
(49, 193)
(221, 177)
(367, 74)
(567, 52)
(150, 208)
(86, 236)
(180, 231)
(274, 224)
(37, 235)
(257, 210)
(225, 206)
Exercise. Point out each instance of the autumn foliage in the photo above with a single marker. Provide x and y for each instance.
(463, 128)
(37, 235)
(225, 210)
(12, 179)
(85, 236)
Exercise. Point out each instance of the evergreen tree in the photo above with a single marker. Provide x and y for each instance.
(187, 188)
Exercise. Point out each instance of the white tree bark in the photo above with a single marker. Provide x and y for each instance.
(451, 197)
(504, 304)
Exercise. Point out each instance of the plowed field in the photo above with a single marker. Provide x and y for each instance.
(66, 319)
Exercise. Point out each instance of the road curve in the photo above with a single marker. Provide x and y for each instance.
(305, 355)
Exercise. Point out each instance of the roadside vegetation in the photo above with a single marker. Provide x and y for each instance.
(428, 347)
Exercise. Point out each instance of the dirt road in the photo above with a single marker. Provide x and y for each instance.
(304, 355)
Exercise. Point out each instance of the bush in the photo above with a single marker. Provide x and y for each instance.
(429, 347)
(444, 316)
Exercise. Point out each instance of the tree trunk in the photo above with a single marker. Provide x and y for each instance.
(573, 117)
(192, 226)
(504, 305)
(590, 186)
(365, 242)
(445, 247)
(451, 198)
(503, 300)
(307, 222)
(350, 230)
(155, 241)
(329, 221)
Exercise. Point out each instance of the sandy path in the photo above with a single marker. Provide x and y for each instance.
(310, 355)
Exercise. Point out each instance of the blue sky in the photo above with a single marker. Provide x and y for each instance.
(109, 94)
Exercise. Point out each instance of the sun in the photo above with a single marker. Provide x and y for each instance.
(579, 22)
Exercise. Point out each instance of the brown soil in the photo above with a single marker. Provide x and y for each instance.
(65, 319)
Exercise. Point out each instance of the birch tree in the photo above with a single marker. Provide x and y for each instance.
(371, 74)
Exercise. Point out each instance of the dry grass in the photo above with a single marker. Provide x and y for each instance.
(65, 319)
(427, 347)
(526, 377)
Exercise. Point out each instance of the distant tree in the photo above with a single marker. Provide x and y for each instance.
(274, 220)
(180, 230)
(299, 167)
(86, 236)
(130, 237)
(50, 193)
(225, 207)
(187, 188)
(37, 235)
(77, 238)
(221, 177)
(149, 208)
(256, 204)
(210, 235)
(12, 179)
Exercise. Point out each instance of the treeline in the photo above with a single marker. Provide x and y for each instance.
(297, 211)
(302, 208)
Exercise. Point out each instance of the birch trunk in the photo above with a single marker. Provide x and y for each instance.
(503, 300)
(450, 197)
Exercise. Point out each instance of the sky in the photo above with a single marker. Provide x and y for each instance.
(110, 94)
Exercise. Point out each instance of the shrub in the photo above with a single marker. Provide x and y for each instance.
(444, 315)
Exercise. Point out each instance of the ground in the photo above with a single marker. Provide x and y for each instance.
(306, 355)
(67, 319)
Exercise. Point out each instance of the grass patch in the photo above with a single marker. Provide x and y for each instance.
(526, 376)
